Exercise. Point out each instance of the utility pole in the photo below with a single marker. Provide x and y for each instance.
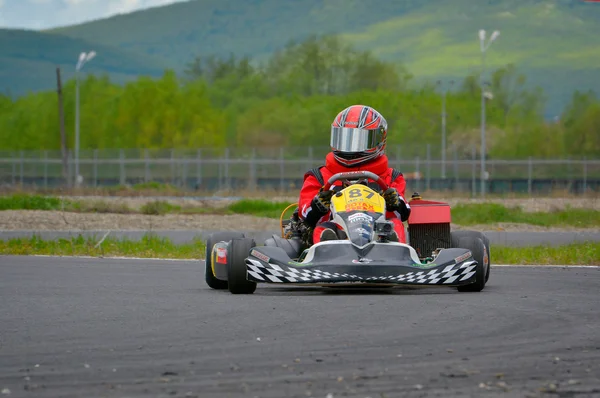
(83, 59)
(484, 48)
(63, 136)
(444, 116)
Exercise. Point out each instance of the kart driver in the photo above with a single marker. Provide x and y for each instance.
(358, 138)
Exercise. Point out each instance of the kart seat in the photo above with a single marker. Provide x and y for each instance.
(292, 247)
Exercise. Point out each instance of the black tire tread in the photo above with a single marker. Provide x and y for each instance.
(209, 278)
(476, 246)
(236, 266)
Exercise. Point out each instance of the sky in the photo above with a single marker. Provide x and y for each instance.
(43, 14)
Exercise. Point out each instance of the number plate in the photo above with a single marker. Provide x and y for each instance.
(358, 198)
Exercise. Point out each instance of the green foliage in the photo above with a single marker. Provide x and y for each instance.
(554, 41)
(30, 202)
(291, 101)
(491, 213)
(150, 246)
(258, 207)
(587, 253)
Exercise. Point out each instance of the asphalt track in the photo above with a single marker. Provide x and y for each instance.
(80, 327)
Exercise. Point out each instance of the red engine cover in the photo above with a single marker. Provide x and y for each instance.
(429, 212)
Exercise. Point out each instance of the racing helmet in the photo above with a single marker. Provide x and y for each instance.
(358, 135)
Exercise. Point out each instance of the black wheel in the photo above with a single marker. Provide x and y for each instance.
(477, 248)
(210, 278)
(456, 235)
(236, 266)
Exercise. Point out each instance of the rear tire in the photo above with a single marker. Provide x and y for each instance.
(237, 272)
(456, 235)
(209, 277)
(477, 248)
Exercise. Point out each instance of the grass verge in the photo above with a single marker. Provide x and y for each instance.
(157, 247)
(148, 247)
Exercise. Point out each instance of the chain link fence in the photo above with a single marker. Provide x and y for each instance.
(282, 168)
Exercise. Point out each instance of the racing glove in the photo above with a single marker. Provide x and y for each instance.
(394, 202)
(322, 202)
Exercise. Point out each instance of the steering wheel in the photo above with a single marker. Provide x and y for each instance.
(355, 175)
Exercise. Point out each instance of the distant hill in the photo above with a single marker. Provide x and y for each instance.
(28, 60)
(554, 42)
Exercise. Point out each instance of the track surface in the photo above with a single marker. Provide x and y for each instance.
(123, 328)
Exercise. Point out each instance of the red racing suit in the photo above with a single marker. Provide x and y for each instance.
(311, 187)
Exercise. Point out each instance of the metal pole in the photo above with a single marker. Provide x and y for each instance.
(45, 169)
(482, 123)
(95, 168)
(77, 127)
(444, 135)
(529, 176)
(585, 175)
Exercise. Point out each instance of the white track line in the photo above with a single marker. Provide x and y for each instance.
(201, 259)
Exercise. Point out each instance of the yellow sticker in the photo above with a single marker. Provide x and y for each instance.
(358, 198)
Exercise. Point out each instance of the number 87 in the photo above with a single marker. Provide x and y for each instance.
(357, 193)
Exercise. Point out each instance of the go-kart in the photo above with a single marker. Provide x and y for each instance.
(366, 253)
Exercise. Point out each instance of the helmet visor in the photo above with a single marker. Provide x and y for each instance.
(345, 139)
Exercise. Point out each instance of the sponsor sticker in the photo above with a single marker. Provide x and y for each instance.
(359, 206)
(221, 255)
(362, 260)
(462, 257)
(486, 259)
(260, 256)
(358, 217)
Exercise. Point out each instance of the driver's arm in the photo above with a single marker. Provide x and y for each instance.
(403, 212)
(307, 212)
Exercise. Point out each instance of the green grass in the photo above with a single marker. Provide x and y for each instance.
(491, 213)
(29, 202)
(574, 254)
(148, 247)
(156, 247)
(258, 207)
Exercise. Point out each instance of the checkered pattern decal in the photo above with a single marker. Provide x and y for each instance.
(260, 272)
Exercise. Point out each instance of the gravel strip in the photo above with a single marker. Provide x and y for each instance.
(13, 220)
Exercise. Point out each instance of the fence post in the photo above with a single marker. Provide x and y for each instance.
(21, 168)
(428, 178)
(122, 177)
(473, 181)
(95, 168)
(584, 175)
(252, 167)
(146, 165)
(529, 176)
(184, 165)
(45, 169)
(173, 167)
(281, 169)
(198, 168)
(13, 173)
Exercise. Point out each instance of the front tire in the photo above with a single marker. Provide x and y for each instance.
(456, 235)
(237, 272)
(477, 248)
(209, 277)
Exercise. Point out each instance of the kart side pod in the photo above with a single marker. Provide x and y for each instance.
(429, 226)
